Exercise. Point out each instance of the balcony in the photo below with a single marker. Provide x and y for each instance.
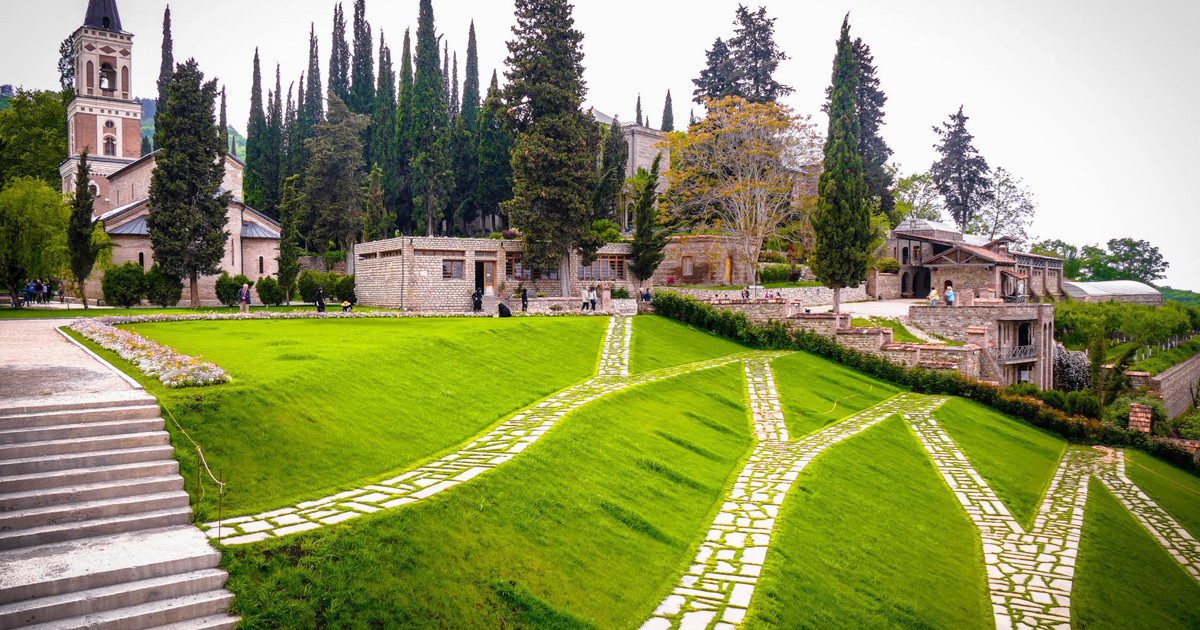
(1015, 354)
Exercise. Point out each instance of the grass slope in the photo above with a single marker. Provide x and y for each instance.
(319, 405)
(815, 392)
(589, 528)
(1174, 490)
(1017, 460)
(1125, 579)
(870, 537)
(660, 343)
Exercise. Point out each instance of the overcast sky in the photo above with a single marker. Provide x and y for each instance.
(1092, 103)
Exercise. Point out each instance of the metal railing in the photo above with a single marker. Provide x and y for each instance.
(1015, 353)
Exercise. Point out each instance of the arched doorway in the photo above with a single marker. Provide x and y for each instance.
(904, 256)
(1024, 335)
(922, 281)
(906, 285)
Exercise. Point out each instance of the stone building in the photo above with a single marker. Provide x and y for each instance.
(933, 254)
(1017, 339)
(104, 119)
(1114, 291)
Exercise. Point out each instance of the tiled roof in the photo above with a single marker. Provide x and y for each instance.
(254, 230)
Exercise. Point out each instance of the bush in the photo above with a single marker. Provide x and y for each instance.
(344, 289)
(227, 288)
(307, 285)
(496, 236)
(162, 289)
(774, 273)
(511, 234)
(771, 256)
(1083, 403)
(620, 293)
(333, 257)
(888, 265)
(1054, 398)
(671, 280)
(269, 291)
(124, 285)
(777, 336)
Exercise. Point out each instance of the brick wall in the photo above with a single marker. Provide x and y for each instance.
(883, 286)
(821, 323)
(709, 255)
(1175, 386)
(1141, 418)
(1002, 322)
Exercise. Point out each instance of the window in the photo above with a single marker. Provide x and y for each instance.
(391, 253)
(916, 255)
(440, 252)
(94, 188)
(260, 265)
(688, 266)
(91, 75)
(110, 146)
(108, 77)
(515, 269)
(606, 267)
(452, 269)
(904, 256)
(142, 259)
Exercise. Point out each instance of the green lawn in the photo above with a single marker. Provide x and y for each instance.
(871, 538)
(79, 311)
(659, 342)
(900, 334)
(1125, 579)
(590, 528)
(318, 406)
(815, 392)
(1017, 460)
(1174, 490)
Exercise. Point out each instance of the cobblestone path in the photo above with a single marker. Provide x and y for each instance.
(496, 447)
(716, 590)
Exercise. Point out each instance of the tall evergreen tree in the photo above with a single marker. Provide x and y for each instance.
(718, 79)
(432, 178)
(403, 159)
(961, 175)
(383, 138)
(187, 210)
(287, 158)
(470, 90)
(146, 148)
(272, 151)
(466, 137)
(290, 208)
(362, 72)
(83, 246)
(310, 110)
(638, 112)
(446, 75)
(757, 57)
(649, 240)
(254, 177)
(842, 223)
(333, 189)
(668, 119)
(614, 158)
(223, 125)
(495, 154)
(167, 67)
(339, 57)
(554, 154)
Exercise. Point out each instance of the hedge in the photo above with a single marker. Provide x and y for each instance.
(777, 336)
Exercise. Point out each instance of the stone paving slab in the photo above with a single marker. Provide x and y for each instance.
(37, 361)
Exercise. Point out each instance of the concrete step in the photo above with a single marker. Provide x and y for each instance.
(105, 598)
(84, 429)
(84, 476)
(82, 493)
(77, 402)
(104, 560)
(75, 530)
(90, 510)
(216, 622)
(84, 445)
(77, 416)
(148, 615)
(48, 463)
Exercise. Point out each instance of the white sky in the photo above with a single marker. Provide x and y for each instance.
(1090, 102)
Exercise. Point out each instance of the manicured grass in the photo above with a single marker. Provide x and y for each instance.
(659, 342)
(1125, 579)
(317, 406)
(79, 311)
(816, 393)
(590, 528)
(900, 334)
(870, 537)
(1166, 359)
(1018, 461)
(1174, 490)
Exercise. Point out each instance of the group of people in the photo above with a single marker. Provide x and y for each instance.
(589, 298)
(933, 296)
(38, 292)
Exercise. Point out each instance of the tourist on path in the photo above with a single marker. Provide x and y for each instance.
(583, 293)
(933, 297)
(592, 298)
(524, 300)
(746, 293)
(320, 299)
(950, 296)
(244, 299)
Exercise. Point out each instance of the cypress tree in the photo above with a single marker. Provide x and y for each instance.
(718, 79)
(333, 189)
(432, 179)
(254, 176)
(402, 165)
(649, 240)
(310, 110)
(314, 105)
(290, 207)
(362, 89)
(470, 92)
(668, 118)
(339, 57)
(446, 74)
(466, 138)
(961, 176)
(614, 158)
(82, 245)
(495, 154)
(167, 68)
(842, 223)
(455, 107)
(383, 139)
(188, 212)
(756, 57)
(638, 110)
(272, 151)
(287, 158)
(556, 142)
(223, 126)
(146, 149)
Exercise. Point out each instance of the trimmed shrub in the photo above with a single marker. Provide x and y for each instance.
(162, 289)
(269, 291)
(307, 285)
(511, 234)
(124, 285)
(1083, 403)
(771, 256)
(227, 289)
(1054, 398)
(344, 289)
(774, 273)
(620, 293)
(888, 265)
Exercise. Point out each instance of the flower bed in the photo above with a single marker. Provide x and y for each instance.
(172, 368)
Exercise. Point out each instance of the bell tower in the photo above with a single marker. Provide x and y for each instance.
(103, 117)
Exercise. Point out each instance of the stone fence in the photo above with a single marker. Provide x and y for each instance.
(1176, 386)
(803, 296)
(551, 305)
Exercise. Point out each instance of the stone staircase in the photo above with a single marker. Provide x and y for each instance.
(95, 527)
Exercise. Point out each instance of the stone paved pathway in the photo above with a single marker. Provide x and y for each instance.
(716, 589)
(498, 446)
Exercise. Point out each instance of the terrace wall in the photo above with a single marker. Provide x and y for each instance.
(1176, 385)
(802, 296)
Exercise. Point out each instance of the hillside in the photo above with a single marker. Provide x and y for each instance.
(1191, 298)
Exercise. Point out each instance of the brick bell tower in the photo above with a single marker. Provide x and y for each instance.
(103, 117)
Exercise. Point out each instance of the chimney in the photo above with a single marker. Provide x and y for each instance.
(1002, 248)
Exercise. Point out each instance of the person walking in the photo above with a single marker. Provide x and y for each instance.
(244, 299)
(933, 297)
(950, 296)
(592, 298)
(583, 294)
(524, 299)
(320, 299)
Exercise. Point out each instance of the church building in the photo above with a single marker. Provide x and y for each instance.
(105, 119)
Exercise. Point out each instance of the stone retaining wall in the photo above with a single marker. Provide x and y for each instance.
(804, 296)
(1175, 386)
